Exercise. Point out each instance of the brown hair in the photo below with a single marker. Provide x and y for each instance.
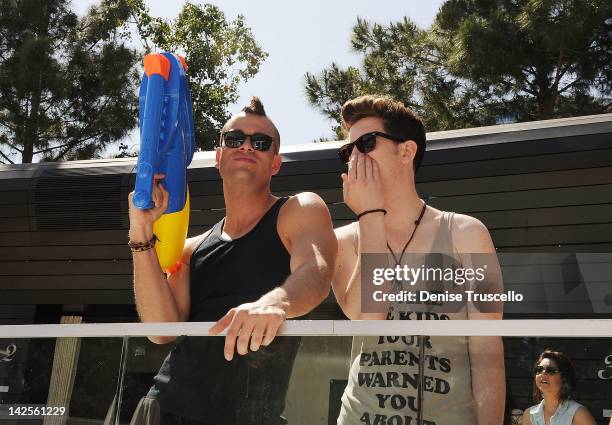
(397, 119)
(256, 107)
(568, 375)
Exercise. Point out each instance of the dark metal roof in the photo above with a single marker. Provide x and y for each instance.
(440, 140)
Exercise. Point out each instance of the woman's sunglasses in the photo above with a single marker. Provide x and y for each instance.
(365, 143)
(548, 369)
(236, 138)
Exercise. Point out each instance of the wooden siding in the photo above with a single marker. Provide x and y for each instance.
(63, 227)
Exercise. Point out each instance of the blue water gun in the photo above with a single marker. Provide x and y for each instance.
(167, 144)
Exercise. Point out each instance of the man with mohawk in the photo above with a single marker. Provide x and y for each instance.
(269, 259)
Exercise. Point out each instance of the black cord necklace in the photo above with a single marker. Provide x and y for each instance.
(416, 225)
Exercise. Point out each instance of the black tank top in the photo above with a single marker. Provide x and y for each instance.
(195, 381)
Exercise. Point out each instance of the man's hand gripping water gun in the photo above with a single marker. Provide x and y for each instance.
(166, 148)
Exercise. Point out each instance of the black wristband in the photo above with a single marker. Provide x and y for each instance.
(382, 210)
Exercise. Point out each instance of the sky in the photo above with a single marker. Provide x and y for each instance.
(299, 37)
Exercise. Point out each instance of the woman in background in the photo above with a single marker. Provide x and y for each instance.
(553, 386)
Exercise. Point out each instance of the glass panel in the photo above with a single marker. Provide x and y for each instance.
(143, 360)
(189, 378)
(58, 380)
(269, 387)
(592, 362)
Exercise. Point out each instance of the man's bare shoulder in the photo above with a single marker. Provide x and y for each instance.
(467, 223)
(304, 200)
(302, 208)
(304, 215)
(471, 235)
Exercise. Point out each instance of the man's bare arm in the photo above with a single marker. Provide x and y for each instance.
(347, 261)
(362, 191)
(158, 299)
(307, 226)
(486, 352)
(488, 378)
(346, 281)
(305, 222)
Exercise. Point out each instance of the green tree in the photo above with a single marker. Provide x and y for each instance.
(402, 61)
(67, 84)
(220, 54)
(544, 58)
(481, 61)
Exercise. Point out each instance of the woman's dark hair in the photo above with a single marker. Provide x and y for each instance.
(568, 375)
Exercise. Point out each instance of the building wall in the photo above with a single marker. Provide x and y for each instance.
(539, 187)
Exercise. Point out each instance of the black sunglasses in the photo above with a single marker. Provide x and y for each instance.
(548, 369)
(365, 143)
(236, 138)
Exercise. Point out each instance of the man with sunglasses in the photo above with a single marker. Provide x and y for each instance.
(269, 259)
(408, 380)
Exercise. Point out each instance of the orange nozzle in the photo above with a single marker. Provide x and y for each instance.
(157, 63)
(174, 268)
(182, 59)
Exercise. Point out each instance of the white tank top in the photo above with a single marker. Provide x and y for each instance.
(386, 373)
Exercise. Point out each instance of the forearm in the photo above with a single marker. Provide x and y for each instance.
(303, 290)
(488, 378)
(372, 240)
(154, 300)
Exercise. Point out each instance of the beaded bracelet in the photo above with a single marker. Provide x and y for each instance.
(143, 246)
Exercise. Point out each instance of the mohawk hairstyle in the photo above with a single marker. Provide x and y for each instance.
(255, 107)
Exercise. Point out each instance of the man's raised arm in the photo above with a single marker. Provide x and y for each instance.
(362, 191)
(157, 299)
